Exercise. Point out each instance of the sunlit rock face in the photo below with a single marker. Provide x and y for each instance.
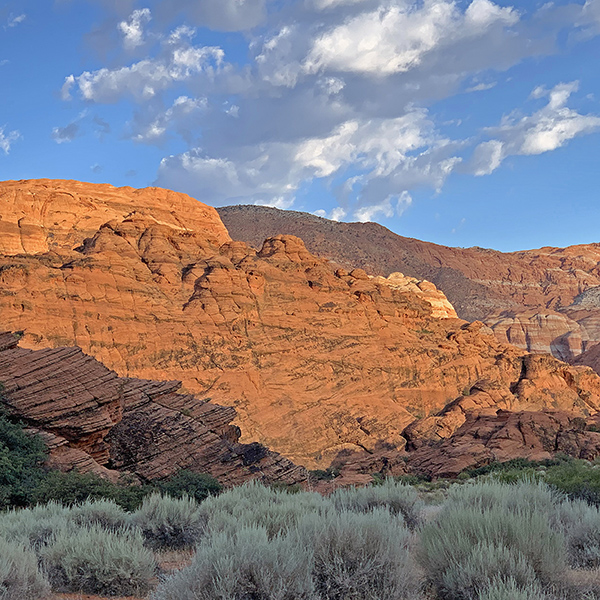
(316, 359)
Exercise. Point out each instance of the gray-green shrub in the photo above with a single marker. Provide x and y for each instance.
(169, 523)
(104, 513)
(34, 526)
(20, 578)
(470, 577)
(580, 523)
(397, 497)
(360, 556)
(509, 589)
(97, 561)
(255, 504)
(517, 518)
(247, 564)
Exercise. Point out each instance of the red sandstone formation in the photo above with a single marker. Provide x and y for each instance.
(317, 360)
(545, 300)
(91, 420)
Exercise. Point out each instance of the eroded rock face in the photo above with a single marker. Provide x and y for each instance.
(502, 436)
(94, 421)
(544, 300)
(316, 359)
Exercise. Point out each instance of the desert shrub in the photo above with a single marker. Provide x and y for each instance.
(469, 578)
(397, 497)
(580, 523)
(21, 457)
(244, 565)
(514, 517)
(198, 486)
(509, 589)
(531, 496)
(255, 504)
(169, 523)
(96, 561)
(20, 578)
(34, 526)
(104, 513)
(360, 556)
(75, 488)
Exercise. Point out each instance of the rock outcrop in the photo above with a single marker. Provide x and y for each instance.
(485, 438)
(545, 300)
(93, 420)
(318, 360)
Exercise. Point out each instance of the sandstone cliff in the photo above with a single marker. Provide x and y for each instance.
(92, 420)
(545, 300)
(316, 360)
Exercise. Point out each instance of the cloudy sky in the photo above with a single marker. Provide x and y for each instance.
(463, 123)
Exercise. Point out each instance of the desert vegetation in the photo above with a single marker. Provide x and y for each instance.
(512, 531)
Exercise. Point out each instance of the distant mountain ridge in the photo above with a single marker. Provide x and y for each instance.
(544, 300)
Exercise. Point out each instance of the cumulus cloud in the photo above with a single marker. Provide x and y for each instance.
(396, 38)
(7, 139)
(178, 61)
(132, 29)
(543, 131)
(332, 90)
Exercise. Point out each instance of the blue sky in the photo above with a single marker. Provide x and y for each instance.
(462, 123)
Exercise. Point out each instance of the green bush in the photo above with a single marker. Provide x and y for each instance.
(577, 478)
(360, 556)
(169, 523)
(96, 561)
(21, 458)
(245, 565)
(198, 486)
(75, 488)
(20, 578)
(397, 497)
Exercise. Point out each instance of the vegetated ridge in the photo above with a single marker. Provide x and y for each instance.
(321, 363)
(545, 300)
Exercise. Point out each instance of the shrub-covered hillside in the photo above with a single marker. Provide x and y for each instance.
(513, 531)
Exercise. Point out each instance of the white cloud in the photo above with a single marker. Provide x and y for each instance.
(328, 4)
(367, 213)
(337, 214)
(14, 20)
(396, 38)
(178, 61)
(545, 130)
(481, 87)
(487, 157)
(332, 89)
(180, 118)
(133, 29)
(7, 139)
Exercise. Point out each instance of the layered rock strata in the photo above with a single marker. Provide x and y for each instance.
(317, 360)
(93, 420)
